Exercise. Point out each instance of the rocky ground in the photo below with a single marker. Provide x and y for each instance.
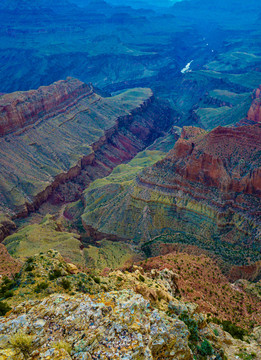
(59, 312)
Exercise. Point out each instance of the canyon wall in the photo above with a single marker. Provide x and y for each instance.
(19, 109)
(206, 192)
(75, 130)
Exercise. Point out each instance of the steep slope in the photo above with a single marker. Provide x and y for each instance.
(51, 135)
(201, 281)
(254, 113)
(205, 192)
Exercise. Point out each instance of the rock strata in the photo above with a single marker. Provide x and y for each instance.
(20, 109)
(207, 189)
(254, 112)
(67, 131)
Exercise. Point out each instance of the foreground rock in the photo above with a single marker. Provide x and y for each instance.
(115, 325)
(123, 315)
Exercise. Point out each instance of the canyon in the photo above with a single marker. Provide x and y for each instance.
(130, 179)
(205, 192)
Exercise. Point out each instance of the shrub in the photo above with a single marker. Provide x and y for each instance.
(205, 348)
(55, 274)
(192, 326)
(65, 284)
(141, 278)
(6, 285)
(41, 286)
(29, 267)
(8, 294)
(4, 308)
(97, 279)
(236, 331)
(22, 343)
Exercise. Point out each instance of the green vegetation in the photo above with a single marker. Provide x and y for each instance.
(236, 331)
(63, 345)
(205, 348)
(192, 326)
(22, 343)
(7, 286)
(66, 284)
(235, 254)
(97, 279)
(245, 356)
(46, 235)
(141, 278)
(4, 308)
(41, 286)
(109, 254)
(55, 274)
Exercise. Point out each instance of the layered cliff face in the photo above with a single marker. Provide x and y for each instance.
(19, 109)
(54, 133)
(254, 113)
(205, 192)
(225, 158)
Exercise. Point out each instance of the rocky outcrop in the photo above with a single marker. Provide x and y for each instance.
(20, 109)
(119, 325)
(7, 226)
(254, 113)
(128, 314)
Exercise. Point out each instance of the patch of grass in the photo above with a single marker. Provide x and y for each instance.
(22, 343)
(63, 345)
(244, 356)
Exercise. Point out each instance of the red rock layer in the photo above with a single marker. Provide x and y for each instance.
(251, 272)
(23, 108)
(254, 113)
(226, 158)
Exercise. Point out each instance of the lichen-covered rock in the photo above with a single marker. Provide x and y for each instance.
(114, 325)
